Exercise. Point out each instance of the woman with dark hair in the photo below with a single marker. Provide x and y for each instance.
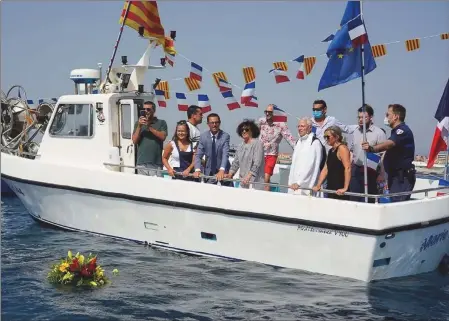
(249, 156)
(338, 165)
(180, 148)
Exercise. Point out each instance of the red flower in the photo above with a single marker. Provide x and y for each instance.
(74, 266)
(85, 272)
(92, 265)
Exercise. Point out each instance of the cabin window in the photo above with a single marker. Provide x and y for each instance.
(125, 121)
(73, 120)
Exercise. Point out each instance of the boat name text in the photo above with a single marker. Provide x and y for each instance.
(322, 230)
(433, 240)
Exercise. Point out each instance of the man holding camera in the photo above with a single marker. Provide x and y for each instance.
(149, 135)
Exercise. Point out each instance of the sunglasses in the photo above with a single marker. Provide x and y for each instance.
(148, 109)
(318, 109)
(181, 122)
(214, 122)
(244, 130)
(268, 112)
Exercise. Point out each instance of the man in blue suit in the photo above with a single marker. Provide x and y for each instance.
(214, 144)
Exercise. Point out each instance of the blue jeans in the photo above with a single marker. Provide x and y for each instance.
(401, 181)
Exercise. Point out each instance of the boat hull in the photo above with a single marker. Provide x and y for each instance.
(285, 243)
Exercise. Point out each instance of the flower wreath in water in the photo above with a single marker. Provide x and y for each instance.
(79, 271)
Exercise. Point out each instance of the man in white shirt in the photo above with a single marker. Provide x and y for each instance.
(194, 118)
(307, 160)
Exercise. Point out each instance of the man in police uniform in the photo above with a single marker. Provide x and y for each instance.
(399, 155)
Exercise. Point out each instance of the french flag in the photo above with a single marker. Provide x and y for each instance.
(279, 115)
(252, 102)
(182, 102)
(160, 97)
(441, 137)
(223, 85)
(279, 75)
(196, 71)
(231, 102)
(372, 160)
(248, 92)
(357, 32)
(170, 59)
(203, 102)
(300, 60)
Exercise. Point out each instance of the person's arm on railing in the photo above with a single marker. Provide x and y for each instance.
(198, 157)
(321, 179)
(191, 166)
(168, 149)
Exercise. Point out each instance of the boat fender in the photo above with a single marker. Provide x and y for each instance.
(443, 267)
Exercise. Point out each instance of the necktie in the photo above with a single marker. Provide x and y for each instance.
(213, 158)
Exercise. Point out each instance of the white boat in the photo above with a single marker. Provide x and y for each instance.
(83, 179)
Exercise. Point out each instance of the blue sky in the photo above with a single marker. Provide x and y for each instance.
(41, 42)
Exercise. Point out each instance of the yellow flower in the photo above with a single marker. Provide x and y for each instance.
(81, 259)
(93, 283)
(63, 267)
(69, 254)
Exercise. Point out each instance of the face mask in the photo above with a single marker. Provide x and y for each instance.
(386, 121)
(317, 113)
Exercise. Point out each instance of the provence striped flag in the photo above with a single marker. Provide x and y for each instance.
(192, 84)
(163, 85)
(160, 98)
(196, 71)
(379, 50)
(182, 102)
(309, 63)
(249, 74)
(412, 44)
(219, 75)
(231, 102)
(204, 103)
(372, 160)
(279, 115)
(144, 14)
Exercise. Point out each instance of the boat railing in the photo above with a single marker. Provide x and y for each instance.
(376, 197)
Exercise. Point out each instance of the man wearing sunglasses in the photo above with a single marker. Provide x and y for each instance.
(149, 135)
(271, 134)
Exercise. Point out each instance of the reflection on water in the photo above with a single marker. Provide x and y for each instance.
(160, 285)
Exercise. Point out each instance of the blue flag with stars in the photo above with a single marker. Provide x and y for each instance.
(344, 57)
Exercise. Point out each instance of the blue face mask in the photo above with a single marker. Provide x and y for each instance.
(317, 113)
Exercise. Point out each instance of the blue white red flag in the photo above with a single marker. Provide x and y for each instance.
(204, 103)
(182, 102)
(279, 115)
(196, 71)
(279, 75)
(372, 160)
(252, 102)
(223, 85)
(170, 59)
(231, 102)
(160, 98)
(440, 141)
(357, 32)
(300, 60)
(248, 92)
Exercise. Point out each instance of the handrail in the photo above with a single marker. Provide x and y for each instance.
(375, 196)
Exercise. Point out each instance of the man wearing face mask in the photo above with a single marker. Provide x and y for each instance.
(321, 122)
(374, 136)
(399, 155)
(149, 135)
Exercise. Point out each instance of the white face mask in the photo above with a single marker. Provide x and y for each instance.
(386, 121)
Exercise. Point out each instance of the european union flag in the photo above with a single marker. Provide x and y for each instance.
(344, 58)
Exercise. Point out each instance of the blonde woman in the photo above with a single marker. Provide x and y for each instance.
(338, 165)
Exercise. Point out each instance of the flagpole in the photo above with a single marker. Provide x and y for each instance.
(118, 40)
(362, 53)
